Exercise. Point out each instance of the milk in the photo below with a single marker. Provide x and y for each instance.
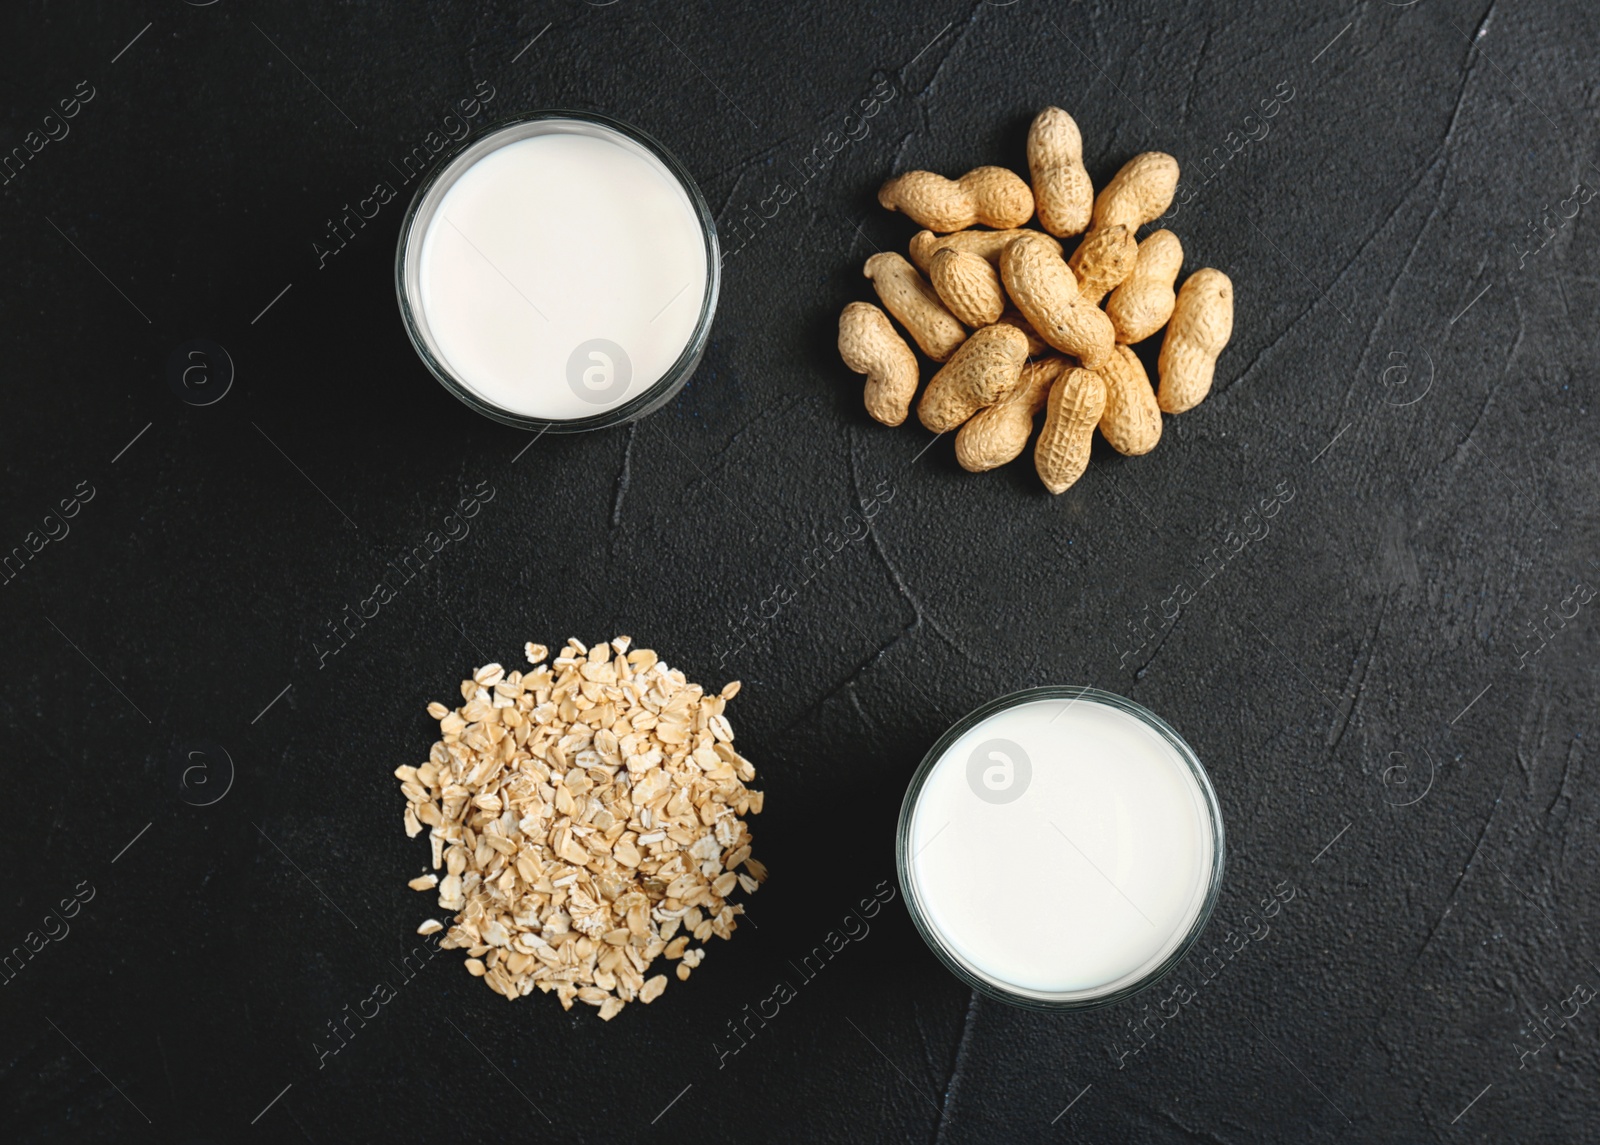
(562, 274)
(1061, 847)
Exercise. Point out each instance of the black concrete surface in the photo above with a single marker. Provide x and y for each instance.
(1391, 677)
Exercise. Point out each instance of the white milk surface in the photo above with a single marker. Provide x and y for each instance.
(563, 274)
(1085, 881)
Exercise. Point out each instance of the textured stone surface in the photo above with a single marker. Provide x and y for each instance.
(1354, 676)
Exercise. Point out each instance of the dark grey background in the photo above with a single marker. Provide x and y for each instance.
(1389, 742)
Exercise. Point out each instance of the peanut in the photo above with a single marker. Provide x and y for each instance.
(1103, 260)
(995, 435)
(869, 345)
(1061, 186)
(913, 302)
(986, 368)
(969, 286)
(991, 196)
(1062, 454)
(984, 244)
(1143, 303)
(1037, 346)
(1131, 421)
(1046, 291)
(1202, 323)
(1138, 193)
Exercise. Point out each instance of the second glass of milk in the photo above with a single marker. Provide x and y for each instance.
(560, 273)
(1060, 848)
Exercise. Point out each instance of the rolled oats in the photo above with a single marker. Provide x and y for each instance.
(584, 812)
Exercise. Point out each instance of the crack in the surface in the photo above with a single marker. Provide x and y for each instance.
(624, 475)
(950, 51)
(1394, 284)
(962, 1044)
(1361, 683)
(1139, 672)
(1483, 409)
(742, 164)
(900, 151)
(1433, 931)
(732, 191)
(1201, 1135)
(1440, 156)
(855, 702)
(1566, 774)
(1255, 361)
(919, 613)
(712, 463)
(849, 681)
(1541, 719)
(1199, 58)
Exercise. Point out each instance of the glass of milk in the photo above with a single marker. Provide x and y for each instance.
(1060, 848)
(560, 272)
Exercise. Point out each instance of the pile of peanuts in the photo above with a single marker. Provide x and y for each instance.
(1023, 300)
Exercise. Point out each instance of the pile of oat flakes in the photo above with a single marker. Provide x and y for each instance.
(585, 812)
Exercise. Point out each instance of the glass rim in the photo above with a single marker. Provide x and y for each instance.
(1037, 1000)
(451, 166)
